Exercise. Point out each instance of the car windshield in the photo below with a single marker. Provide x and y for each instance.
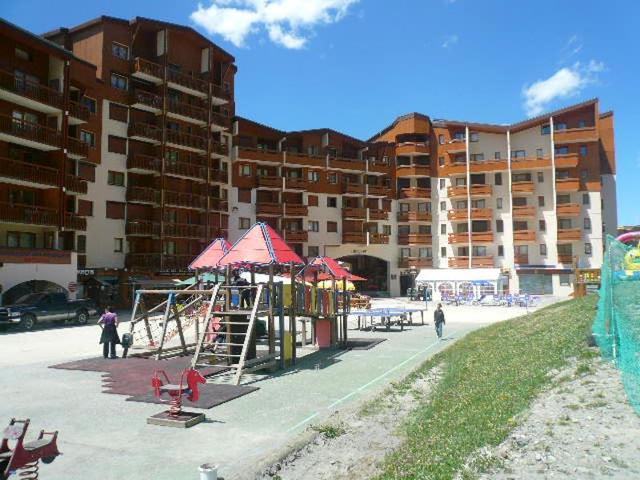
(30, 298)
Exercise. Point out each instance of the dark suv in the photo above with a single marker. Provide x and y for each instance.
(30, 309)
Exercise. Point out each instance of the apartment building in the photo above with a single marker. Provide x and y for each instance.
(122, 157)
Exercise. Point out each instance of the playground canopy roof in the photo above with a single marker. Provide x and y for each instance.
(260, 245)
(334, 269)
(211, 255)
(458, 275)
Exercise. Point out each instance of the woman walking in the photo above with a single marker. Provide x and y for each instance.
(109, 338)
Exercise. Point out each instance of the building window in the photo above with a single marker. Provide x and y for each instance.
(332, 227)
(313, 251)
(443, 252)
(474, 136)
(332, 202)
(443, 228)
(115, 210)
(386, 229)
(582, 124)
(88, 137)
(587, 224)
(539, 153)
(169, 248)
(565, 279)
(560, 126)
(498, 179)
(518, 154)
(441, 183)
(314, 176)
(443, 206)
(244, 223)
(541, 201)
(500, 250)
(583, 150)
(441, 161)
(477, 157)
(21, 240)
(587, 249)
(564, 150)
(81, 244)
(117, 245)
(314, 226)
(441, 139)
(584, 174)
(118, 81)
(542, 225)
(459, 136)
(497, 156)
(120, 51)
(332, 177)
(545, 129)
(543, 250)
(425, 252)
(499, 226)
(564, 223)
(312, 200)
(90, 103)
(245, 170)
(585, 199)
(117, 112)
(117, 145)
(499, 203)
(244, 195)
(540, 177)
(115, 178)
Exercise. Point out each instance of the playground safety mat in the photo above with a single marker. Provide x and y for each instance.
(211, 395)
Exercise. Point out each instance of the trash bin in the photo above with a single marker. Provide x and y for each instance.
(208, 471)
(323, 333)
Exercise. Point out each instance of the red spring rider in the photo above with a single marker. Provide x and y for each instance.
(25, 455)
(188, 387)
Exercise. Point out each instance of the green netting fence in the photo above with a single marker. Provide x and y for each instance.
(617, 324)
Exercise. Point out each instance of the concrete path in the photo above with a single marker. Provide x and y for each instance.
(103, 437)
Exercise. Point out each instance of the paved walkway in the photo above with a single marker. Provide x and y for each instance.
(103, 437)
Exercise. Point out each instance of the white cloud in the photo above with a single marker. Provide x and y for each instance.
(566, 82)
(289, 23)
(449, 40)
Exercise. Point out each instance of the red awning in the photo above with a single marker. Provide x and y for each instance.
(260, 245)
(332, 269)
(211, 255)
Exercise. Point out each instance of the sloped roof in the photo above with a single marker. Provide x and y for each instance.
(334, 269)
(211, 255)
(260, 245)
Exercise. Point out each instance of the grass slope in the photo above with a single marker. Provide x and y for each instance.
(488, 378)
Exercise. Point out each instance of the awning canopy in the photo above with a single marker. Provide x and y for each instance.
(260, 245)
(458, 275)
(211, 255)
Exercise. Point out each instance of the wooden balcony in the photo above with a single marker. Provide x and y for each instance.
(187, 200)
(187, 83)
(569, 160)
(378, 214)
(78, 113)
(38, 176)
(476, 262)
(187, 141)
(299, 158)
(414, 216)
(379, 166)
(260, 154)
(296, 236)
(142, 228)
(146, 70)
(415, 239)
(269, 208)
(378, 239)
(415, 262)
(75, 184)
(524, 236)
(350, 212)
(187, 170)
(521, 259)
(568, 210)
(483, 166)
(569, 234)
(411, 148)
(413, 171)
(453, 168)
(345, 163)
(222, 94)
(139, 162)
(475, 191)
(28, 214)
(567, 185)
(145, 132)
(565, 259)
(35, 255)
(143, 100)
(187, 112)
(530, 163)
(74, 222)
(524, 211)
(271, 182)
(454, 147)
(523, 187)
(575, 135)
(378, 190)
(28, 94)
(143, 195)
(220, 122)
(458, 215)
(218, 204)
(220, 176)
(295, 183)
(77, 149)
(29, 134)
(353, 188)
(292, 210)
(476, 237)
(354, 237)
(183, 230)
(219, 149)
(415, 192)
(481, 214)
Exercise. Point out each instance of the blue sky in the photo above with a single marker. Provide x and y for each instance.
(354, 65)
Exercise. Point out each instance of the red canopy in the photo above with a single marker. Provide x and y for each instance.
(260, 245)
(211, 255)
(333, 269)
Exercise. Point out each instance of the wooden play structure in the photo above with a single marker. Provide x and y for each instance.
(587, 281)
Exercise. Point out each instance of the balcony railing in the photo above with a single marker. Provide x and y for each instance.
(30, 131)
(186, 169)
(263, 154)
(188, 200)
(476, 237)
(378, 214)
(377, 190)
(568, 210)
(353, 188)
(142, 228)
(565, 258)
(413, 170)
(521, 259)
(296, 236)
(219, 148)
(75, 184)
(221, 92)
(524, 211)
(414, 216)
(292, 210)
(530, 163)
(145, 130)
(148, 99)
(415, 262)
(188, 110)
(78, 147)
(458, 214)
(183, 230)
(139, 161)
(415, 239)
(145, 67)
(351, 212)
(567, 184)
(269, 208)
(220, 120)
(378, 239)
(218, 204)
(143, 194)
(354, 237)
(301, 158)
(79, 111)
(524, 236)
(219, 176)
(523, 187)
(346, 163)
(296, 183)
(415, 192)
(569, 234)
(28, 214)
(573, 135)
(476, 262)
(187, 81)
(28, 172)
(185, 139)
(34, 91)
(476, 190)
(568, 160)
(269, 181)
(74, 222)
(411, 148)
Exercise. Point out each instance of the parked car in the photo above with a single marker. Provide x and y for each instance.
(33, 308)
